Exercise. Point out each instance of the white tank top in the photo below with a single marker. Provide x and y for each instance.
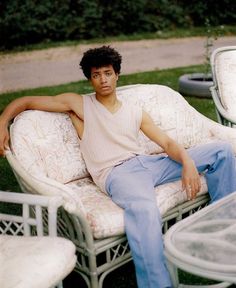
(109, 139)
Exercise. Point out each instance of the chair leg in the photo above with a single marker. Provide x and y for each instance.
(173, 270)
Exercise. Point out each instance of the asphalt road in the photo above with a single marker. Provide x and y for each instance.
(61, 65)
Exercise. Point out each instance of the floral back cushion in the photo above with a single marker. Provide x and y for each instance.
(171, 112)
(47, 142)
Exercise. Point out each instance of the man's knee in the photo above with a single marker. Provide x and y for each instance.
(145, 209)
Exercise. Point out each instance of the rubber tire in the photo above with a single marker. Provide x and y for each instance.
(193, 85)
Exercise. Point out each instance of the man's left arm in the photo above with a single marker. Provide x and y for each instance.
(190, 176)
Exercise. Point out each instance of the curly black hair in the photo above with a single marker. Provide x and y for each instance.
(99, 57)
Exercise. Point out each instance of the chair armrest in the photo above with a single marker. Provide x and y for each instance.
(224, 133)
(43, 185)
(53, 202)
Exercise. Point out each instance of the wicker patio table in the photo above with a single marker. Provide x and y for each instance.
(204, 244)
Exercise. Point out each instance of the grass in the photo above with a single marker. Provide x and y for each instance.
(168, 77)
(227, 30)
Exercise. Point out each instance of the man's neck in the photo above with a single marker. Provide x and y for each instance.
(109, 101)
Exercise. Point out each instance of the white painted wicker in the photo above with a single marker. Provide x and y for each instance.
(31, 254)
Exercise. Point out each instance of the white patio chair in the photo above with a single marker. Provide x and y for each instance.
(31, 255)
(223, 64)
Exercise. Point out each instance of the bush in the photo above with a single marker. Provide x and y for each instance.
(218, 12)
(25, 22)
(29, 21)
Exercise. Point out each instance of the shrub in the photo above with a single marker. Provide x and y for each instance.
(25, 22)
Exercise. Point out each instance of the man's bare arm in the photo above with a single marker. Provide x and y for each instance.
(190, 176)
(60, 103)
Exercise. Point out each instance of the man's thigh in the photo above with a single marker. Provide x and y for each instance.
(130, 182)
(163, 169)
(205, 154)
(136, 178)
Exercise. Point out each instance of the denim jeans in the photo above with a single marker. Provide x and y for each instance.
(131, 186)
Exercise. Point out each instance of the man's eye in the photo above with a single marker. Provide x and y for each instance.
(95, 76)
(108, 73)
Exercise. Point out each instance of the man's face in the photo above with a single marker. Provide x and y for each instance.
(104, 80)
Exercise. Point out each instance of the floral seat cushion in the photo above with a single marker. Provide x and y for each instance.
(107, 219)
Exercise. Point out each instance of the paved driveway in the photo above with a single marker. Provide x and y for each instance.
(61, 65)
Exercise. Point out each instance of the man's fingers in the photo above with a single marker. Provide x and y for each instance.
(1, 148)
(192, 189)
(190, 192)
(6, 142)
(4, 145)
(2, 151)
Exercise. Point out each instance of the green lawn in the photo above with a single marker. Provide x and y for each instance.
(226, 30)
(123, 277)
(168, 77)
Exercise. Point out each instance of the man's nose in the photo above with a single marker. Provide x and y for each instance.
(103, 78)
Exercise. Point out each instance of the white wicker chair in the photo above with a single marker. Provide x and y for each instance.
(30, 253)
(223, 64)
(46, 159)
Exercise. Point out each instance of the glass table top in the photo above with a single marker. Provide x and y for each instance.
(207, 238)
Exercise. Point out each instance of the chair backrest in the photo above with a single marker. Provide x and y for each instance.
(26, 215)
(223, 63)
(46, 143)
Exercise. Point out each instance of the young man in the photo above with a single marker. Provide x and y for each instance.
(108, 131)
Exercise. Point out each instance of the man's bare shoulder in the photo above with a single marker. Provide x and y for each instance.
(73, 101)
(71, 95)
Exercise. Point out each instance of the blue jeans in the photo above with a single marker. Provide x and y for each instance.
(131, 186)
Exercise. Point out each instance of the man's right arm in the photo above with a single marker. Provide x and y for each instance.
(60, 103)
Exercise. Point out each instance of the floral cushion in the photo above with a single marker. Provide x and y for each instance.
(47, 143)
(225, 71)
(171, 112)
(107, 219)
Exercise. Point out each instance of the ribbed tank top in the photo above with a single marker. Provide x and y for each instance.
(109, 139)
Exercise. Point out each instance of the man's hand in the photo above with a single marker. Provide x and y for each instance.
(4, 139)
(190, 180)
